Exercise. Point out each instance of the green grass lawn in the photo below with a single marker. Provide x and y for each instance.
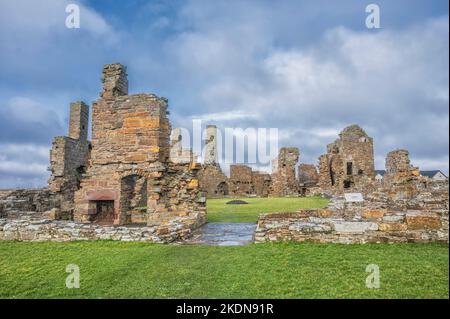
(282, 270)
(219, 211)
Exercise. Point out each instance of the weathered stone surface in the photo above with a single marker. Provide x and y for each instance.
(423, 221)
(360, 222)
(374, 213)
(349, 163)
(48, 230)
(354, 227)
(389, 227)
(284, 181)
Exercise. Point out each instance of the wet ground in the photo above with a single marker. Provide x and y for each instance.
(223, 234)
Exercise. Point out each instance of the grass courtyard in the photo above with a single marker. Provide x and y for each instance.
(111, 269)
(284, 270)
(219, 211)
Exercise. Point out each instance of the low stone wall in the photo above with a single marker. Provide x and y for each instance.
(15, 201)
(29, 229)
(355, 223)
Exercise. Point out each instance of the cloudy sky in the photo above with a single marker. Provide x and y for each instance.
(308, 68)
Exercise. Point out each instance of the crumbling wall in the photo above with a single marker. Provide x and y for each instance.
(130, 141)
(376, 220)
(17, 201)
(284, 182)
(69, 158)
(261, 183)
(348, 165)
(213, 182)
(211, 155)
(308, 178)
(241, 180)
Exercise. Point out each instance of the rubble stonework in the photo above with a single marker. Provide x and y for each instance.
(129, 169)
(241, 180)
(69, 158)
(15, 201)
(213, 182)
(211, 156)
(376, 220)
(284, 181)
(261, 183)
(134, 181)
(348, 164)
(28, 229)
(308, 178)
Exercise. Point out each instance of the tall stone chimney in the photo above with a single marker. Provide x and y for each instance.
(79, 119)
(115, 82)
(211, 145)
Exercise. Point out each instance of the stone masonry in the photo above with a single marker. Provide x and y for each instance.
(371, 221)
(241, 180)
(308, 178)
(284, 181)
(348, 165)
(213, 182)
(130, 178)
(69, 158)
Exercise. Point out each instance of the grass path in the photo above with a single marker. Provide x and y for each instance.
(219, 211)
(283, 270)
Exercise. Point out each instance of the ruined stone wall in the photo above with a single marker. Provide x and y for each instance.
(26, 229)
(402, 180)
(130, 158)
(307, 174)
(284, 182)
(69, 158)
(213, 182)
(348, 164)
(372, 221)
(241, 180)
(261, 183)
(16, 201)
(308, 178)
(211, 155)
(177, 153)
(115, 81)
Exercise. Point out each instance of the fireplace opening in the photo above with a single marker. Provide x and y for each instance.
(104, 212)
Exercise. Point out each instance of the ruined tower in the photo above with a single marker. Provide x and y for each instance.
(284, 182)
(401, 177)
(211, 157)
(349, 163)
(69, 158)
(307, 178)
(115, 81)
(177, 153)
(79, 118)
(130, 178)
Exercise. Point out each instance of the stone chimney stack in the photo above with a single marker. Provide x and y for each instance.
(115, 82)
(79, 119)
(176, 142)
(211, 145)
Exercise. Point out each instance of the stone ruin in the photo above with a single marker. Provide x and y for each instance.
(124, 176)
(407, 207)
(134, 181)
(213, 182)
(348, 164)
(284, 181)
(308, 177)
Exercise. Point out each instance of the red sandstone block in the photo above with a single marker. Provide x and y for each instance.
(374, 213)
(423, 221)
